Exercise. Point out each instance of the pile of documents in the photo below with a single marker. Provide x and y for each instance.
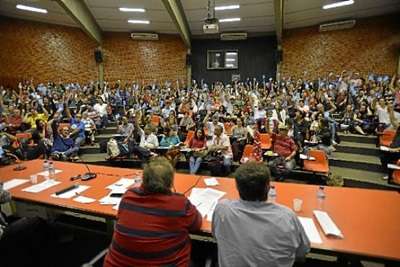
(117, 189)
(205, 200)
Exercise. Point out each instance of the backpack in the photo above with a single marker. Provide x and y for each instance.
(113, 148)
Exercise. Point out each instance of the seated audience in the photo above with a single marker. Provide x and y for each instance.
(153, 223)
(199, 150)
(64, 146)
(253, 232)
(220, 147)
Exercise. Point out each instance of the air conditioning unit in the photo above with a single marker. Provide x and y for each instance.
(339, 25)
(230, 36)
(144, 36)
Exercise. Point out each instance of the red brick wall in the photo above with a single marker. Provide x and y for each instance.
(44, 52)
(127, 60)
(372, 45)
(51, 52)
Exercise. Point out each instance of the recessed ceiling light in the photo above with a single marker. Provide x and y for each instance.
(338, 4)
(135, 21)
(128, 9)
(231, 53)
(230, 59)
(230, 20)
(33, 9)
(227, 7)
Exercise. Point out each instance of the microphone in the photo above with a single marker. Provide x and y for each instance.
(89, 175)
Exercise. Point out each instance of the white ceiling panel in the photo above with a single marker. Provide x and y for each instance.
(55, 15)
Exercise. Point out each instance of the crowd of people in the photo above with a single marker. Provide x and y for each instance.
(56, 119)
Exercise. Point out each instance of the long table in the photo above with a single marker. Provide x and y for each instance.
(368, 219)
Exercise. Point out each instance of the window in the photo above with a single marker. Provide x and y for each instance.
(222, 59)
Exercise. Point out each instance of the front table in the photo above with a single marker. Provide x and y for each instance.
(368, 219)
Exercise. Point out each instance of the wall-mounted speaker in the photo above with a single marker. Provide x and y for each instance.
(98, 56)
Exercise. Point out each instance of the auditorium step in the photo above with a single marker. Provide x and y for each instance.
(356, 161)
(87, 149)
(108, 130)
(356, 138)
(362, 178)
(103, 137)
(358, 148)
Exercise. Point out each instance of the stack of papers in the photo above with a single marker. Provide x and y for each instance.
(108, 200)
(123, 183)
(13, 183)
(310, 229)
(212, 181)
(72, 192)
(46, 173)
(41, 187)
(384, 148)
(84, 200)
(393, 166)
(327, 224)
(205, 200)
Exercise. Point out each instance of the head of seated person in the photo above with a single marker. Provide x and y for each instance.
(158, 176)
(218, 130)
(64, 132)
(252, 181)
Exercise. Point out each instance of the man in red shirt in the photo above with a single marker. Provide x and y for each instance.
(286, 148)
(153, 223)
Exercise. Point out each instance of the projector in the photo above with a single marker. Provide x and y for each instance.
(211, 26)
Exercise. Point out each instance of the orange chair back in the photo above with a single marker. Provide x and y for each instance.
(320, 164)
(155, 120)
(23, 136)
(387, 137)
(228, 128)
(189, 137)
(396, 177)
(248, 151)
(265, 140)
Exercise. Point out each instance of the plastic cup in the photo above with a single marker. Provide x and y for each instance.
(34, 179)
(297, 203)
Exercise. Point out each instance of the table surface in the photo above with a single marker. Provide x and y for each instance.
(368, 219)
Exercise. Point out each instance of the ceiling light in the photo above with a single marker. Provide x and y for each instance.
(229, 65)
(128, 9)
(230, 20)
(231, 53)
(135, 21)
(338, 4)
(230, 59)
(227, 7)
(33, 9)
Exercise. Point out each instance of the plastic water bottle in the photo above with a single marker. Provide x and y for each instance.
(45, 166)
(51, 170)
(272, 194)
(321, 197)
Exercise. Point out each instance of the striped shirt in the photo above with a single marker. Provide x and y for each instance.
(153, 230)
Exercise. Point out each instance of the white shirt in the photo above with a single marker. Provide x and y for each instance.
(211, 127)
(101, 109)
(149, 141)
(223, 140)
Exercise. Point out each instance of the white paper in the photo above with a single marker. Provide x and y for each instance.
(310, 229)
(205, 199)
(107, 200)
(211, 181)
(84, 200)
(122, 183)
(13, 183)
(384, 148)
(393, 166)
(72, 192)
(327, 224)
(46, 173)
(41, 187)
(185, 149)
(211, 211)
(302, 156)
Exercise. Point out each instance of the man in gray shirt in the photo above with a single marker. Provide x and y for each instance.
(253, 232)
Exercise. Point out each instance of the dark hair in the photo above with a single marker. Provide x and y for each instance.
(202, 134)
(158, 176)
(252, 181)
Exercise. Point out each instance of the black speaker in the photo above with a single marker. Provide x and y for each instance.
(98, 56)
(279, 56)
(188, 59)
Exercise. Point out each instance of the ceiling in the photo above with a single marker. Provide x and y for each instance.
(256, 15)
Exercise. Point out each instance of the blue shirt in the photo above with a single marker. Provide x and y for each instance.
(78, 125)
(170, 141)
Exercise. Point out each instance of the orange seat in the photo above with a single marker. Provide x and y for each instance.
(248, 153)
(265, 140)
(23, 136)
(189, 137)
(386, 138)
(396, 174)
(228, 128)
(155, 120)
(320, 164)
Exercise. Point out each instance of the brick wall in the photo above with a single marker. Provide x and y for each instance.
(372, 45)
(127, 60)
(51, 52)
(44, 52)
